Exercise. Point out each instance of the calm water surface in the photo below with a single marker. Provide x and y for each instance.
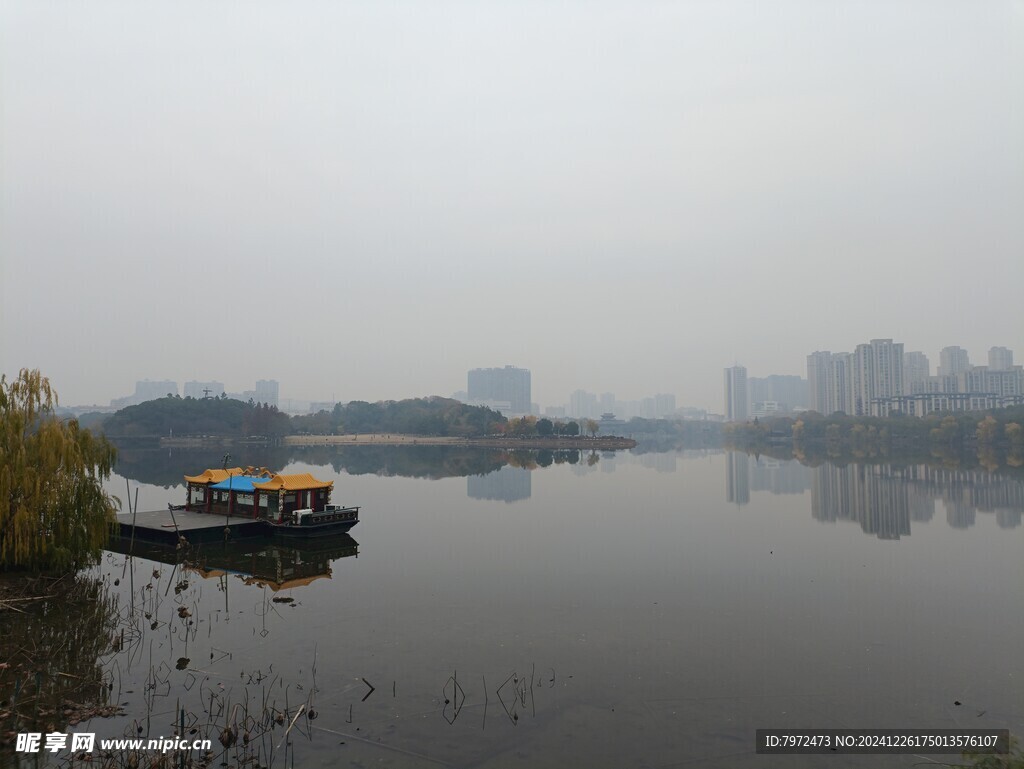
(631, 610)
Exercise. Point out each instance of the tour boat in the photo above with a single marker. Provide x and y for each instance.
(296, 505)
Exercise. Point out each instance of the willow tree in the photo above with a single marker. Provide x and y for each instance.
(54, 513)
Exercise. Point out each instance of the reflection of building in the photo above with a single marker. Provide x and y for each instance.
(779, 477)
(884, 500)
(737, 477)
(509, 385)
(879, 503)
(975, 489)
(659, 461)
(509, 484)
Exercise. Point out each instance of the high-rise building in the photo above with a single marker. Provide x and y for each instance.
(838, 383)
(818, 364)
(150, 391)
(985, 379)
(583, 405)
(737, 400)
(664, 405)
(1000, 359)
(146, 390)
(509, 385)
(266, 392)
(916, 371)
(953, 360)
(787, 390)
(875, 371)
(827, 382)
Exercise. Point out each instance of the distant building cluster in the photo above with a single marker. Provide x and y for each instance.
(503, 389)
(773, 395)
(266, 391)
(878, 378)
(508, 390)
(588, 405)
(146, 390)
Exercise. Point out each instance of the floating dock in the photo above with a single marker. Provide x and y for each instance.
(166, 526)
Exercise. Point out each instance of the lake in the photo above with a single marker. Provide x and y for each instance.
(606, 609)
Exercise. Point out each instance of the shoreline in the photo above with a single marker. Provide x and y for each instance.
(397, 439)
(394, 439)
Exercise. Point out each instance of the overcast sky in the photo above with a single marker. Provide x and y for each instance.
(366, 199)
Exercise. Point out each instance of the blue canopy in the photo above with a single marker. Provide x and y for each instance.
(240, 483)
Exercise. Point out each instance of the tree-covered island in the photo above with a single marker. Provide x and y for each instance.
(180, 419)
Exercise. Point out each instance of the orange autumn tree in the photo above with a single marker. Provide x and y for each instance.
(54, 513)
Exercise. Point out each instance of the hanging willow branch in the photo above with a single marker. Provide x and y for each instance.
(54, 513)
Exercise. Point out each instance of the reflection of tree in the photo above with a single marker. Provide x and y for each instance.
(161, 467)
(997, 461)
(167, 467)
(55, 632)
(429, 461)
(409, 461)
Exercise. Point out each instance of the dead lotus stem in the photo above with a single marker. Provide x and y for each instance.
(296, 718)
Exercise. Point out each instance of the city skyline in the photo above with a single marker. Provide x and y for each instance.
(404, 193)
(915, 365)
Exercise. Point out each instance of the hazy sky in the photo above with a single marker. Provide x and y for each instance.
(366, 199)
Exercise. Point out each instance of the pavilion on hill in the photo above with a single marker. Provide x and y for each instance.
(255, 493)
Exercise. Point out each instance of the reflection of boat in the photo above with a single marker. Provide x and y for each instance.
(260, 561)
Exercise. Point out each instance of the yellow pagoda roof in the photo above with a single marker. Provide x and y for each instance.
(296, 482)
(213, 476)
(216, 475)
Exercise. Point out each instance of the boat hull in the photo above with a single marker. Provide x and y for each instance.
(307, 523)
(293, 531)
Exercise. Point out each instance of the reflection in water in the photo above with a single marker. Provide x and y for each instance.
(54, 635)
(262, 562)
(737, 477)
(884, 499)
(663, 462)
(745, 474)
(779, 476)
(166, 467)
(509, 484)
(879, 503)
(673, 637)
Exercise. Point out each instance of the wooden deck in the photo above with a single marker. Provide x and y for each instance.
(163, 526)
